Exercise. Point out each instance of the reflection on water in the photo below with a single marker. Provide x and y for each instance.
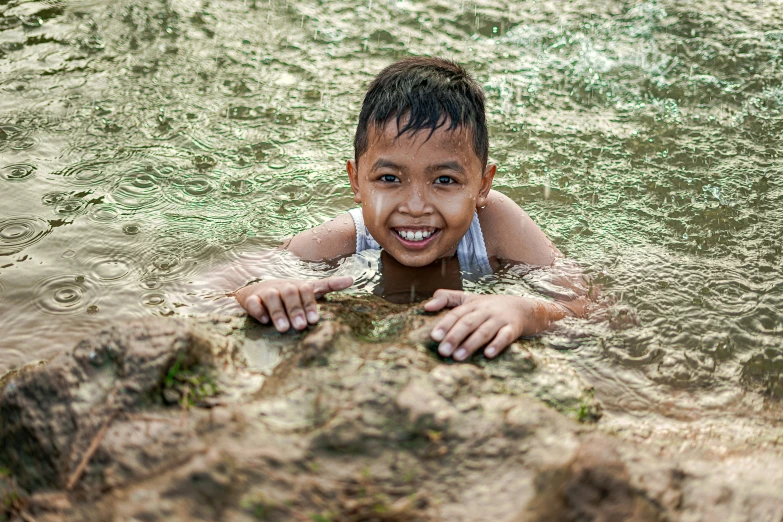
(400, 284)
(147, 144)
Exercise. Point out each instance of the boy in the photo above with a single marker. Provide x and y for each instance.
(421, 176)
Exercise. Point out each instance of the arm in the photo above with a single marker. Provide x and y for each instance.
(288, 302)
(527, 245)
(498, 320)
(492, 320)
(331, 240)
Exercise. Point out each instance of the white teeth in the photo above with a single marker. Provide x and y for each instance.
(419, 235)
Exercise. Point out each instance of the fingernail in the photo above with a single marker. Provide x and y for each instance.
(299, 322)
(282, 325)
(312, 317)
(264, 319)
(437, 334)
(460, 354)
(491, 351)
(445, 349)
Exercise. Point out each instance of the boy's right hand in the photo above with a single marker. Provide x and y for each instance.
(288, 301)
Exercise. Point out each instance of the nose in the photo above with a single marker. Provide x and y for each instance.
(415, 202)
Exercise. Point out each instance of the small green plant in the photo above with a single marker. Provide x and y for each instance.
(174, 370)
(260, 506)
(191, 384)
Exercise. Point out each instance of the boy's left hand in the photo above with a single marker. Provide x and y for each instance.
(480, 319)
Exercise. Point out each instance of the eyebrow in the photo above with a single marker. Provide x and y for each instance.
(383, 163)
(449, 165)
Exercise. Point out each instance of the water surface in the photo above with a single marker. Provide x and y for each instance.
(144, 144)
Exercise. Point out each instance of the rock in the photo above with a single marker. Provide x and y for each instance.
(50, 416)
(595, 485)
(359, 420)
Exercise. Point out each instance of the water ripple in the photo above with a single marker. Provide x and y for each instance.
(65, 294)
(193, 190)
(104, 213)
(174, 253)
(13, 137)
(86, 173)
(138, 191)
(70, 207)
(19, 232)
(51, 199)
(111, 269)
(153, 299)
(18, 172)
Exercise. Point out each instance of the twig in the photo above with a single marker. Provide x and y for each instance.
(148, 418)
(96, 442)
(184, 405)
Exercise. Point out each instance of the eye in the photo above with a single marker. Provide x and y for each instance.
(444, 180)
(388, 178)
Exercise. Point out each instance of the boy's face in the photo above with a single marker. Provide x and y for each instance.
(418, 195)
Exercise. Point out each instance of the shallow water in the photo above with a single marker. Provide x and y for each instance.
(145, 144)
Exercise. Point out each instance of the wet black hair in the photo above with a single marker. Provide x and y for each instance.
(431, 93)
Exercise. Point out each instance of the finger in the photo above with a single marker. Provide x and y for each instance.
(444, 325)
(274, 305)
(463, 327)
(445, 299)
(480, 336)
(292, 300)
(331, 284)
(256, 309)
(504, 337)
(308, 301)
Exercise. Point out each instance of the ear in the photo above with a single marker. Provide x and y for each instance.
(486, 184)
(353, 177)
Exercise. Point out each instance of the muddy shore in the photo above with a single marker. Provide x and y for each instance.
(356, 419)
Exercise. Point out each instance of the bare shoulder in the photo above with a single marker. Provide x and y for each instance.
(331, 240)
(510, 234)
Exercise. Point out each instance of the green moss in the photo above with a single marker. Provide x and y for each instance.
(192, 383)
(322, 517)
(260, 507)
(362, 313)
(173, 372)
(587, 410)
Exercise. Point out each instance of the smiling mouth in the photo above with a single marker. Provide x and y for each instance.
(415, 235)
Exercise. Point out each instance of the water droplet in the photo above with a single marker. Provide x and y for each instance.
(153, 299)
(131, 230)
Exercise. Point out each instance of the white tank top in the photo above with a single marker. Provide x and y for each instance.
(471, 250)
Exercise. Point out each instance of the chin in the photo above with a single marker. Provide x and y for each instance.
(413, 262)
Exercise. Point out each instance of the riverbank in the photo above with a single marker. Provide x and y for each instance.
(356, 419)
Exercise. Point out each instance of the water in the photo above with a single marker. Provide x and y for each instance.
(146, 143)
